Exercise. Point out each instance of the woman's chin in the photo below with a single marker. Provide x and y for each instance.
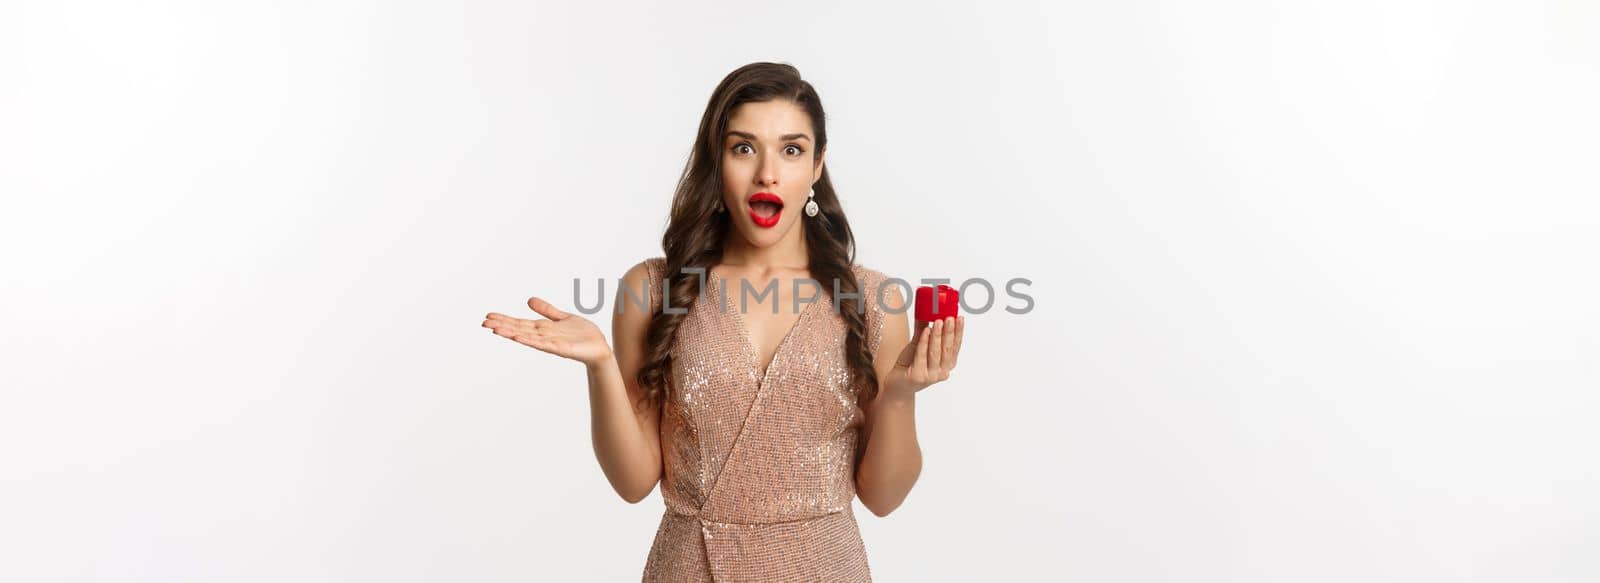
(759, 236)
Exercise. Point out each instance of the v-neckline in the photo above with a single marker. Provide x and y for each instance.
(752, 352)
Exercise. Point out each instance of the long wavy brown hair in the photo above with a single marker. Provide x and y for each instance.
(695, 231)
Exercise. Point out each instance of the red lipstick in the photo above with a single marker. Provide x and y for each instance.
(769, 203)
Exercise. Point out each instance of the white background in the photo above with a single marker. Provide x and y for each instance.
(1314, 283)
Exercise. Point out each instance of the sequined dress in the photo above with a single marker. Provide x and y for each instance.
(759, 466)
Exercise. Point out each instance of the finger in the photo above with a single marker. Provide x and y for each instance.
(510, 327)
(499, 317)
(947, 359)
(546, 309)
(955, 353)
(502, 317)
(503, 323)
(919, 364)
(936, 347)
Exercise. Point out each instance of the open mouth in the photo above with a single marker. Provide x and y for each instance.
(765, 208)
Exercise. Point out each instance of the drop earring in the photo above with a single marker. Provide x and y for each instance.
(719, 206)
(811, 205)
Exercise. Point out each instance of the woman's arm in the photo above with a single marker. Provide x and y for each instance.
(892, 459)
(627, 440)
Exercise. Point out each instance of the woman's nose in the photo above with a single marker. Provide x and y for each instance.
(767, 170)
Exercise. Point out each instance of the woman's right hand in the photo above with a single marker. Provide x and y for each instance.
(560, 333)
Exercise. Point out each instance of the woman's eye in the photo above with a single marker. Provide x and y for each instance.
(744, 148)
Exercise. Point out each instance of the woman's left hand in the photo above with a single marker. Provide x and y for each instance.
(928, 358)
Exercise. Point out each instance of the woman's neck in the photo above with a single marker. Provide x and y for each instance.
(787, 254)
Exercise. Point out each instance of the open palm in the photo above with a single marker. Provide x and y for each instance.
(560, 333)
(929, 357)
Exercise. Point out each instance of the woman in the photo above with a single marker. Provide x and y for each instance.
(761, 422)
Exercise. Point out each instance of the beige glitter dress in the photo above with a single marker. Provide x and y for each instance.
(760, 465)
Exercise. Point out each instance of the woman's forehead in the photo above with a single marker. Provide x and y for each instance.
(777, 120)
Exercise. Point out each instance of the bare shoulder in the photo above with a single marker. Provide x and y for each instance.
(639, 288)
(647, 268)
(636, 301)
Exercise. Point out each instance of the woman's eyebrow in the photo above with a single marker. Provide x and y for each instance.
(785, 137)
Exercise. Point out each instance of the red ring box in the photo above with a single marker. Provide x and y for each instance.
(948, 303)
